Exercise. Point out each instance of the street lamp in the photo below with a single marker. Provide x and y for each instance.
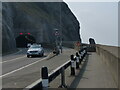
(58, 32)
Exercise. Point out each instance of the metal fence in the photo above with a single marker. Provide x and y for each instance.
(74, 63)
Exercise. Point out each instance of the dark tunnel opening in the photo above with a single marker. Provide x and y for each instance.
(23, 40)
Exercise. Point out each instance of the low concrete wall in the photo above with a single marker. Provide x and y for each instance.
(111, 58)
(69, 44)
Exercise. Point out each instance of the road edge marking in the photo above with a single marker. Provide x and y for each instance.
(22, 67)
(13, 59)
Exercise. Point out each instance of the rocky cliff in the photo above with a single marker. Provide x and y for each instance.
(40, 19)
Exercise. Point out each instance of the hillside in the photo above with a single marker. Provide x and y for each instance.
(38, 18)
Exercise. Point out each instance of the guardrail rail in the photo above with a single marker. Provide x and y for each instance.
(43, 83)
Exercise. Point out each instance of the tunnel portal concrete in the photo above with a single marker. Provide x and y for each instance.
(23, 40)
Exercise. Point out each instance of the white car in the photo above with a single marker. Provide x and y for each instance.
(35, 50)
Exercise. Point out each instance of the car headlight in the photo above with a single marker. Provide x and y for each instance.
(39, 51)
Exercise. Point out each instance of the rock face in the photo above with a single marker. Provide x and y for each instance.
(40, 20)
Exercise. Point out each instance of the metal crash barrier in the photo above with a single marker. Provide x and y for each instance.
(43, 83)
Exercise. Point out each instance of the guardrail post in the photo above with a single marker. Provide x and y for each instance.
(63, 85)
(84, 54)
(77, 60)
(72, 65)
(45, 80)
(80, 56)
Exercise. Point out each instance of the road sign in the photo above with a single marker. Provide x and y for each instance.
(78, 43)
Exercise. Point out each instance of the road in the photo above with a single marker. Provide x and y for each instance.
(18, 71)
(15, 61)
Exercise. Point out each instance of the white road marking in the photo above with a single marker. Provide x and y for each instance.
(23, 67)
(17, 52)
(13, 59)
(33, 84)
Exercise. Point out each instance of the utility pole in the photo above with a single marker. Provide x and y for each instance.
(60, 27)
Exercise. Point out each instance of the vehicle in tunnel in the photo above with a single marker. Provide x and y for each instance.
(35, 50)
(23, 39)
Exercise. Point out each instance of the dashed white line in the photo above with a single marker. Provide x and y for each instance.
(23, 67)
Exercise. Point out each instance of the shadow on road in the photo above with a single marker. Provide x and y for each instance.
(78, 77)
(38, 56)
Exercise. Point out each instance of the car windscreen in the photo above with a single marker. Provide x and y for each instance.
(35, 46)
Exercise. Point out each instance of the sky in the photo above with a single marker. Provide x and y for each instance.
(98, 20)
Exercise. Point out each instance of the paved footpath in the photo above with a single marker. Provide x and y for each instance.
(93, 74)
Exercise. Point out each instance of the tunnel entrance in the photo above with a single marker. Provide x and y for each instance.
(23, 40)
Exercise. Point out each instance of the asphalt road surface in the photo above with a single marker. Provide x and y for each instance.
(18, 71)
(15, 61)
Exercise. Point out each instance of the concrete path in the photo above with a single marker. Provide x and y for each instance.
(94, 74)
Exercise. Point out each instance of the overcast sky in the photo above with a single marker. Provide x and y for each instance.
(98, 20)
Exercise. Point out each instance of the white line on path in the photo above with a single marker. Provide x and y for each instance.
(13, 59)
(23, 67)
